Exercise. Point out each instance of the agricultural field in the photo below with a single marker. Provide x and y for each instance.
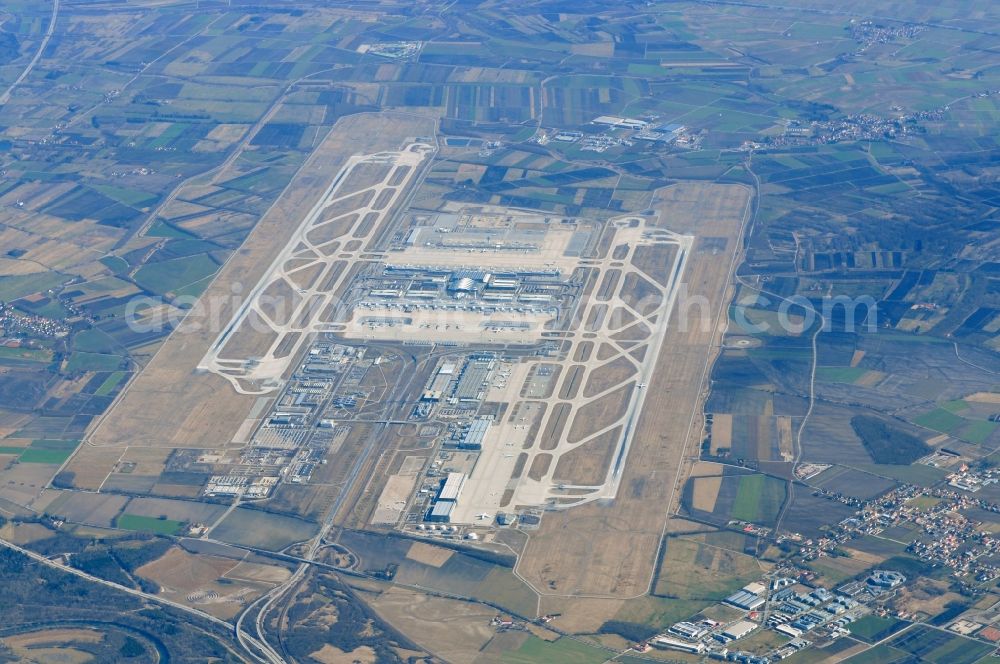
(772, 314)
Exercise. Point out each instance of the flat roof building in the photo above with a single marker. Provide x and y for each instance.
(441, 511)
(738, 630)
(745, 600)
(688, 630)
(674, 644)
(452, 487)
(476, 434)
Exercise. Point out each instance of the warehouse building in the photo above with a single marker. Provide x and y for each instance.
(745, 600)
(738, 630)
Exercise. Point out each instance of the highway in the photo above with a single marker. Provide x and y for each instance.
(249, 644)
(266, 602)
(5, 97)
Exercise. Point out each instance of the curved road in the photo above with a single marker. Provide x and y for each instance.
(249, 643)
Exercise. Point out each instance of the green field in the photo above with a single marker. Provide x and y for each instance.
(32, 455)
(939, 647)
(93, 341)
(916, 473)
(939, 419)
(977, 431)
(17, 286)
(265, 530)
(170, 276)
(26, 354)
(148, 524)
(872, 628)
(81, 361)
(945, 420)
(758, 498)
(563, 651)
(882, 654)
(840, 374)
(48, 451)
(110, 383)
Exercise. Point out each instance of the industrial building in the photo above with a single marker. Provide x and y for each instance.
(623, 123)
(688, 630)
(451, 488)
(667, 643)
(738, 630)
(743, 599)
(474, 436)
(441, 511)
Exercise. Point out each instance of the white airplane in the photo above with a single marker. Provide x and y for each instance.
(641, 385)
(484, 515)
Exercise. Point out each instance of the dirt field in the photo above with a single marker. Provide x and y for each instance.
(330, 655)
(183, 572)
(168, 405)
(454, 631)
(609, 549)
(434, 556)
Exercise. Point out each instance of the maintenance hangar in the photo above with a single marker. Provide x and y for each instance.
(441, 511)
(474, 436)
(451, 489)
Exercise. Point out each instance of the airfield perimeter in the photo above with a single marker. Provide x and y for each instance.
(608, 502)
(170, 405)
(608, 550)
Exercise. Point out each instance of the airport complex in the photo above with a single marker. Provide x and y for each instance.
(537, 336)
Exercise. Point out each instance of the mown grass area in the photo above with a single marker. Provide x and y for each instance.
(80, 361)
(17, 286)
(924, 502)
(170, 276)
(939, 419)
(696, 571)
(110, 383)
(882, 654)
(840, 374)
(945, 420)
(26, 354)
(758, 498)
(148, 524)
(563, 651)
(94, 341)
(56, 457)
(48, 451)
(977, 431)
(872, 628)
(940, 647)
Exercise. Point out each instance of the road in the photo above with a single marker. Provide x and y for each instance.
(265, 602)
(5, 97)
(250, 644)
